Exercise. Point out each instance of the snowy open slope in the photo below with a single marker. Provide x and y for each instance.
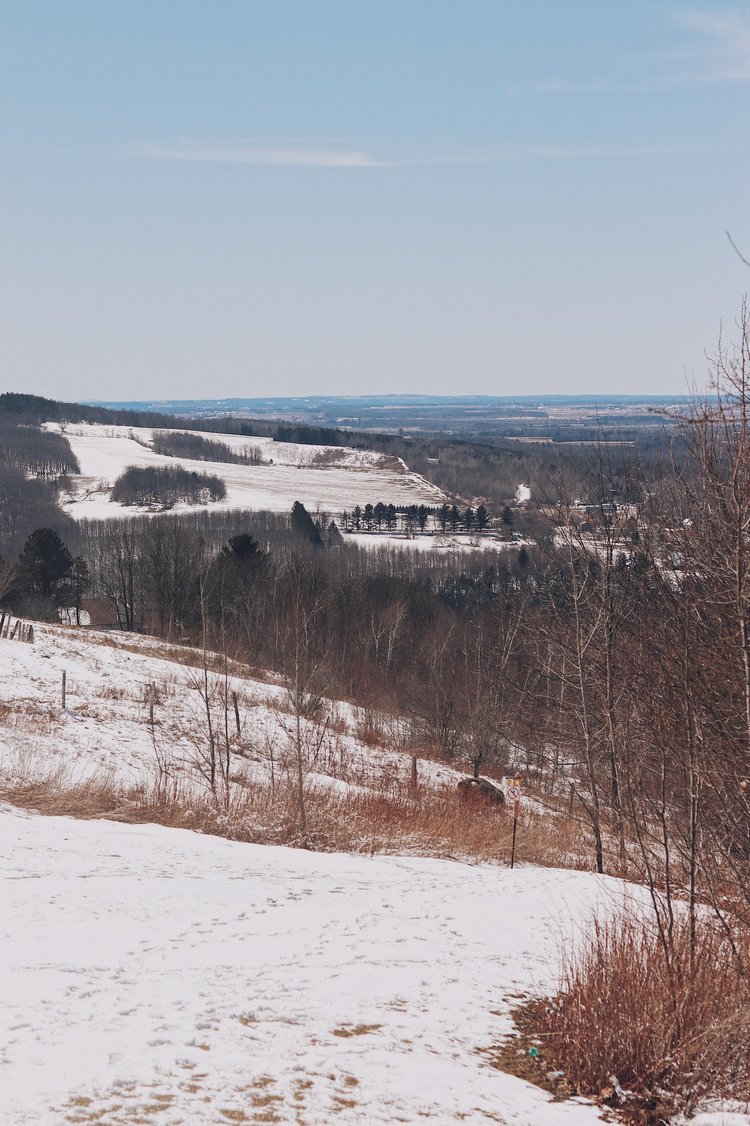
(325, 477)
(105, 728)
(149, 971)
(153, 974)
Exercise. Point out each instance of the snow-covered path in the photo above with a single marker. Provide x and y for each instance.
(144, 967)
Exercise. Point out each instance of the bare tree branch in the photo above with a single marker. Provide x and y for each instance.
(737, 250)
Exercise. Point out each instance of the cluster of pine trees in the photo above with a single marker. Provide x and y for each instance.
(413, 518)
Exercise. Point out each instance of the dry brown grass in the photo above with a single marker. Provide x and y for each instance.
(647, 1034)
(429, 823)
(188, 656)
(348, 1030)
(29, 717)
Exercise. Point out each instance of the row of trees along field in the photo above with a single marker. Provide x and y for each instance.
(40, 453)
(175, 443)
(415, 517)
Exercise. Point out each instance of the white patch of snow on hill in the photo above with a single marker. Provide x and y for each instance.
(448, 543)
(145, 969)
(328, 478)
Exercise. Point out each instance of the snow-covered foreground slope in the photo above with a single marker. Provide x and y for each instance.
(325, 477)
(152, 974)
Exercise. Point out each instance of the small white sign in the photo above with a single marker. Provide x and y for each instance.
(513, 793)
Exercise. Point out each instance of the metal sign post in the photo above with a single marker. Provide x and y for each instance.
(513, 793)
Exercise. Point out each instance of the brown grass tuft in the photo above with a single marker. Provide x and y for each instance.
(641, 1027)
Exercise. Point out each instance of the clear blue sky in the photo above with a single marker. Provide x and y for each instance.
(243, 197)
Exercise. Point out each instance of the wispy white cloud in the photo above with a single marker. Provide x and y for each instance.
(724, 54)
(605, 86)
(307, 156)
(244, 152)
(719, 54)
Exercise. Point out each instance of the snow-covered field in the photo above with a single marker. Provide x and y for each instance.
(152, 974)
(328, 478)
(448, 543)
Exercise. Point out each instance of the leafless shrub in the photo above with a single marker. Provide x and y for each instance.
(650, 1032)
(369, 726)
(157, 692)
(111, 692)
(29, 716)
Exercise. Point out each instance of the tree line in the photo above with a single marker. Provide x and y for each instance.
(174, 443)
(166, 485)
(486, 470)
(411, 518)
(31, 450)
(33, 463)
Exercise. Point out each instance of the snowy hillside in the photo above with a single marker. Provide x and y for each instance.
(129, 698)
(145, 968)
(158, 974)
(152, 974)
(326, 477)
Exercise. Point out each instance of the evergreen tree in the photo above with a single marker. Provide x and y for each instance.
(78, 584)
(304, 525)
(333, 535)
(44, 566)
(243, 548)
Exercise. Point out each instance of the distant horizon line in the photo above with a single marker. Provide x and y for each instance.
(401, 397)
